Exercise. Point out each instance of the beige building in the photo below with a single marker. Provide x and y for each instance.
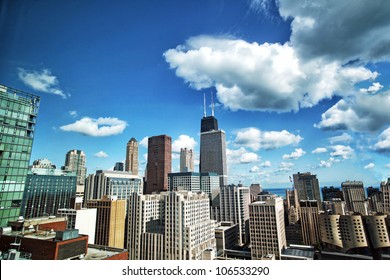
(186, 160)
(170, 226)
(110, 221)
(385, 189)
(355, 197)
(267, 228)
(131, 162)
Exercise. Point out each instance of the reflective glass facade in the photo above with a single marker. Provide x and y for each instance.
(18, 112)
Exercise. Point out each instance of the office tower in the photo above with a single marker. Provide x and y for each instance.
(132, 156)
(385, 189)
(170, 226)
(186, 160)
(375, 200)
(355, 197)
(309, 211)
(18, 113)
(110, 221)
(115, 183)
(226, 237)
(75, 161)
(47, 189)
(159, 163)
(338, 206)
(209, 184)
(119, 166)
(267, 228)
(328, 193)
(184, 181)
(307, 186)
(234, 207)
(292, 206)
(255, 189)
(212, 147)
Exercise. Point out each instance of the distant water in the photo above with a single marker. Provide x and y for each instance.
(279, 192)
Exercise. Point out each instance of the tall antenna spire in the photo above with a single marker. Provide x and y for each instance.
(204, 105)
(212, 105)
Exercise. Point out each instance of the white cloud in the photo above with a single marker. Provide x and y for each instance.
(383, 145)
(369, 166)
(342, 151)
(372, 89)
(285, 166)
(319, 151)
(73, 114)
(361, 113)
(387, 165)
(101, 154)
(144, 142)
(249, 158)
(328, 163)
(184, 141)
(256, 139)
(42, 81)
(96, 127)
(295, 155)
(345, 137)
(266, 163)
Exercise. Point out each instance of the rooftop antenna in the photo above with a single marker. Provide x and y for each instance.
(212, 105)
(204, 105)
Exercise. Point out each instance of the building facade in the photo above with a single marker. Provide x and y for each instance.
(267, 228)
(47, 190)
(159, 163)
(307, 186)
(355, 197)
(18, 113)
(186, 160)
(308, 212)
(385, 189)
(131, 163)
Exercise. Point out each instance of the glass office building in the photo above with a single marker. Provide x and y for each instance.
(18, 112)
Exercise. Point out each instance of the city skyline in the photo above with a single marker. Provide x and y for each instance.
(291, 93)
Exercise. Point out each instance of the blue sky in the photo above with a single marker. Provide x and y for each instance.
(299, 86)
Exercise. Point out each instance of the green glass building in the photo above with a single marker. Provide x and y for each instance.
(18, 113)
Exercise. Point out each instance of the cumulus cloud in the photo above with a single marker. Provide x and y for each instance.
(285, 167)
(96, 127)
(73, 114)
(383, 145)
(328, 163)
(345, 152)
(256, 139)
(266, 163)
(254, 169)
(361, 113)
(345, 137)
(144, 142)
(183, 141)
(369, 166)
(101, 154)
(295, 155)
(241, 155)
(249, 158)
(42, 81)
(372, 89)
(319, 150)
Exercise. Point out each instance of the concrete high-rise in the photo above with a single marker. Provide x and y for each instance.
(186, 160)
(308, 213)
(110, 221)
(18, 113)
(307, 186)
(385, 189)
(234, 201)
(170, 226)
(75, 161)
(267, 228)
(213, 148)
(131, 163)
(159, 163)
(355, 197)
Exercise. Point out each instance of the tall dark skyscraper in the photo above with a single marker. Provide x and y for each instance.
(18, 112)
(212, 148)
(159, 163)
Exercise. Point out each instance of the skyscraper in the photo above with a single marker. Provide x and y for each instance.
(132, 156)
(355, 196)
(307, 186)
(385, 189)
(267, 228)
(75, 162)
(159, 163)
(234, 201)
(18, 112)
(186, 160)
(309, 212)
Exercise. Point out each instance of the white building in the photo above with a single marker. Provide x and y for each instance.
(267, 228)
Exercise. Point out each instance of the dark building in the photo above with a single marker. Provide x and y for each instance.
(159, 163)
(208, 124)
(328, 193)
(119, 166)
